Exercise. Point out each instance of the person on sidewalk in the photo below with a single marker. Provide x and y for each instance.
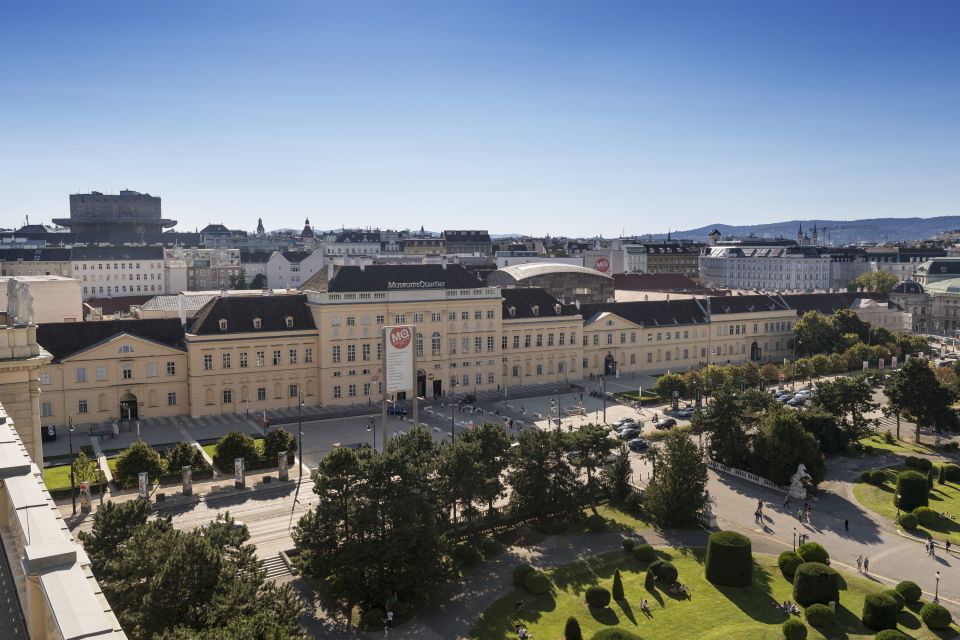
(866, 566)
(860, 564)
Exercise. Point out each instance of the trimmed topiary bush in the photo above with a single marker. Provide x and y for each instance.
(877, 477)
(913, 489)
(571, 631)
(815, 583)
(520, 573)
(941, 476)
(233, 445)
(925, 516)
(597, 597)
(788, 561)
(596, 523)
(909, 521)
(891, 634)
(951, 472)
(819, 615)
(664, 571)
(616, 591)
(813, 552)
(900, 600)
(536, 582)
(863, 476)
(924, 465)
(644, 553)
(650, 581)
(911, 462)
(793, 629)
(613, 633)
(935, 616)
(133, 460)
(729, 560)
(278, 439)
(910, 591)
(490, 547)
(467, 554)
(628, 544)
(880, 611)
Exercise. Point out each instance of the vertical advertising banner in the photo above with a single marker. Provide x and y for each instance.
(144, 483)
(893, 362)
(85, 496)
(186, 476)
(399, 358)
(282, 466)
(866, 365)
(880, 364)
(238, 475)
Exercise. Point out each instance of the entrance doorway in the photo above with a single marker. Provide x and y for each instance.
(421, 383)
(609, 365)
(437, 388)
(129, 409)
(755, 351)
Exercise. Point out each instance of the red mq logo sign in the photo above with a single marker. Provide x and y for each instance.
(603, 265)
(400, 337)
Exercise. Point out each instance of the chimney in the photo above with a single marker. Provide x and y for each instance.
(363, 265)
(329, 271)
(182, 308)
(578, 304)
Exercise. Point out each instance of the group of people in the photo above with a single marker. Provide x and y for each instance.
(521, 631)
(787, 607)
(679, 590)
(931, 547)
(863, 565)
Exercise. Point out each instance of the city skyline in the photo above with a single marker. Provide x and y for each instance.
(532, 119)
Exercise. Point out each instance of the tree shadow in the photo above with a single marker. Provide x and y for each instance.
(756, 600)
(577, 576)
(627, 610)
(605, 616)
(846, 622)
(908, 620)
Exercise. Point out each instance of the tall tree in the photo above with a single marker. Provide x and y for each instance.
(542, 481)
(725, 422)
(259, 281)
(781, 444)
(846, 321)
(594, 444)
(815, 333)
(879, 281)
(460, 477)
(915, 389)
(678, 489)
(617, 475)
(494, 443)
(848, 399)
(670, 382)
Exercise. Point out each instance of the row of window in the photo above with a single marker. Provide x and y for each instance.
(260, 357)
(528, 340)
(156, 288)
(124, 277)
(126, 372)
(293, 391)
(416, 318)
(46, 408)
(118, 266)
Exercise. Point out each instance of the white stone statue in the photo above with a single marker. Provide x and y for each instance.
(19, 303)
(797, 488)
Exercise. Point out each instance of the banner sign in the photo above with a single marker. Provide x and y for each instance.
(893, 362)
(866, 365)
(186, 476)
(399, 358)
(880, 364)
(282, 465)
(238, 475)
(602, 265)
(85, 496)
(144, 479)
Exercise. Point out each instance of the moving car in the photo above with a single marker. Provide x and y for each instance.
(630, 433)
(685, 413)
(638, 444)
(666, 423)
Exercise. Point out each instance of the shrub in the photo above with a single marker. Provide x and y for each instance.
(616, 591)
(898, 598)
(819, 615)
(729, 560)
(942, 476)
(183, 454)
(877, 477)
(880, 611)
(788, 561)
(650, 581)
(664, 571)
(910, 591)
(815, 583)
(236, 445)
(864, 476)
(520, 572)
(793, 629)
(571, 631)
(490, 547)
(628, 544)
(813, 552)
(909, 521)
(536, 582)
(891, 634)
(951, 472)
(913, 489)
(597, 597)
(925, 516)
(644, 553)
(596, 523)
(911, 462)
(467, 554)
(633, 503)
(277, 440)
(136, 458)
(931, 479)
(924, 465)
(613, 633)
(935, 616)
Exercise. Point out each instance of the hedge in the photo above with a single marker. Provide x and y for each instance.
(537, 583)
(925, 516)
(913, 489)
(909, 521)
(951, 472)
(729, 560)
(898, 597)
(520, 573)
(910, 591)
(880, 611)
(644, 553)
(813, 552)
(920, 464)
(133, 460)
(863, 476)
(935, 616)
(596, 523)
(597, 597)
(793, 629)
(613, 633)
(815, 583)
(664, 571)
(891, 634)
(628, 544)
(788, 561)
(819, 615)
(571, 631)
(877, 477)
(616, 591)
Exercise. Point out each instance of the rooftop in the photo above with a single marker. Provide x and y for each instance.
(63, 339)
(276, 313)
(534, 269)
(391, 277)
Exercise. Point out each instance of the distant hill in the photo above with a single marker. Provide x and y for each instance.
(838, 231)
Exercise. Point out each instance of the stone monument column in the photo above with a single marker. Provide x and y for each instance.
(20, 361)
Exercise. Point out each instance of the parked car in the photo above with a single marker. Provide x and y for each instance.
(685, 413)
(666, 423)
(625, 421)
(638, 444)
(630, 433)
(797, 401)
(396, 411)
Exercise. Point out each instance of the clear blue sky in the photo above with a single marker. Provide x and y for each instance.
(556, 117)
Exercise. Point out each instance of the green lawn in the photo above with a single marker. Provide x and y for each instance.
(899, 446)
(712, 613)
(58, 478)
(944, 498)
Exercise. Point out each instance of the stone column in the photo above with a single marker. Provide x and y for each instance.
(20, 361)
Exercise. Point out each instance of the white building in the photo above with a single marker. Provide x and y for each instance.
(765, 267)
(355, 243)
(509, 258)
(118, 271)
(290, 269)
(52, 298)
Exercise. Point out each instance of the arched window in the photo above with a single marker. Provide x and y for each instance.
(516, 371)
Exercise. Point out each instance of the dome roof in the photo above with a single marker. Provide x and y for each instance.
(907, 287)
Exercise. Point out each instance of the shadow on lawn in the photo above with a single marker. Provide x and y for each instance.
(756, 600)
(577, 576)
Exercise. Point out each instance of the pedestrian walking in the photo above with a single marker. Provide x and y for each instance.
(860, 564)
(786, 502)
(846, 526)
(759, 505)
(800, 514)
(946, 547)
(866, 566)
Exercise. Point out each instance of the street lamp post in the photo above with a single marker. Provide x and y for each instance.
(794, 538)
(100, 480)
(73, 493)
(453, 386)
(300, 431)
(936, 589)
(897, 521)
(370, 428)
(603, 386)
(793, 382)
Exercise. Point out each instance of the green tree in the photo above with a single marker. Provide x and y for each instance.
(594, 444)
(233, 445)
(259, 281)
(847, 321)
(824, 427)
(815, 333)
(113, 524)
(848, 399)
(278, 439)
(677, 491)
(181, 455)
(494, 443)
(878, 281)
(617, 475)
(135, 459)
(781, 444)
(84, 469)
(239, 281)
(855, 356)
(915, 389)
(543, 482)
(670, 382)
(460, 476)
(725, 420)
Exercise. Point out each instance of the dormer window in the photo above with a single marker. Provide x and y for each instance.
(223, 324)
(289, 322)
(257, 323)
(512, 311)
(536, 310)
(556, 309)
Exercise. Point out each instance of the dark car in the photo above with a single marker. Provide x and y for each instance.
(469, 398)
(396, 411)
(666, 423)
(638, 444)
(629, 433)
